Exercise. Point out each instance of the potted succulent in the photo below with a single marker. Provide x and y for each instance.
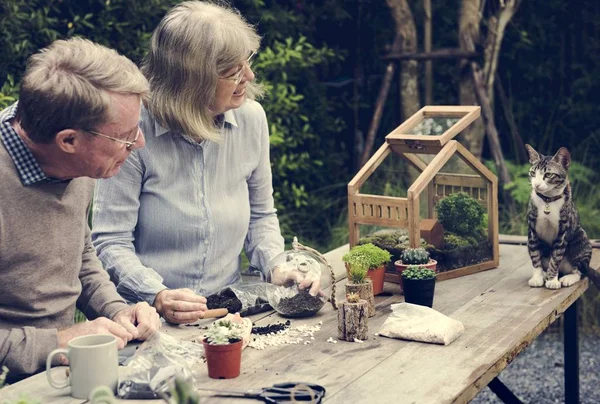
(358, 283)
(373, 259)
(419, 285)
(223, 349)
(414, 256)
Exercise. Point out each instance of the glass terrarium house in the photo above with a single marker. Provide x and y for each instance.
(451, 207)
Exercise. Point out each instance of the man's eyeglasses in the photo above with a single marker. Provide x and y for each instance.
(128, 144)
(237, 76)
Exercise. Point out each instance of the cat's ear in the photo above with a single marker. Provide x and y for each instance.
(562, 157)
(534, 156)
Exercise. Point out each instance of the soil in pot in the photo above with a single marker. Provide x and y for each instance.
(419, 291)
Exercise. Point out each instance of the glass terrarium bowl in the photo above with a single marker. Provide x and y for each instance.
(287, 271)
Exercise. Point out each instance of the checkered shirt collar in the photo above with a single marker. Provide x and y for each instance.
(27, 166)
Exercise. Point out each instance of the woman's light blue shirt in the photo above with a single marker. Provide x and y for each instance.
(179, 213)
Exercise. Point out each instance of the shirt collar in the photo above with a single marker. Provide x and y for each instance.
(27, 166)
(228, 117)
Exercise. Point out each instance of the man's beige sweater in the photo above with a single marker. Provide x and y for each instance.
(47, 266)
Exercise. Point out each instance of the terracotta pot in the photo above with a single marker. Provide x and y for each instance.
(224, 361)
(400, 267)
(377, 275)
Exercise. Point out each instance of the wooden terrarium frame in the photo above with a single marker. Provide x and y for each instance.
(397, 212)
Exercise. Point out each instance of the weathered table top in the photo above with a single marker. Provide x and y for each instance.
(500, 312)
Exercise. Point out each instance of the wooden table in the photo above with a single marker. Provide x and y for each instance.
(502, 315)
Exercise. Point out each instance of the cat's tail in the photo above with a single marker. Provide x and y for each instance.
(591, 273)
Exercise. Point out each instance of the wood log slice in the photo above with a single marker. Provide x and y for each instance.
(352, 321)
(365, 292)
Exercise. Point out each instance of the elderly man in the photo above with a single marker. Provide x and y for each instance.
(77, 117)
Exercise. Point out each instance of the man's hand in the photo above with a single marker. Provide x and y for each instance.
(180, 306)
(101, 325)
(141, 320)
(304, 280)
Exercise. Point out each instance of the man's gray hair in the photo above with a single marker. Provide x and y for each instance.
(192, 46)
(68, 85)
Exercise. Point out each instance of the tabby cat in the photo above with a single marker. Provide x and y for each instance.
(557, 243)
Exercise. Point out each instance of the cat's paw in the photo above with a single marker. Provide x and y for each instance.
(553, 283)
(570, 279)
(536, 281)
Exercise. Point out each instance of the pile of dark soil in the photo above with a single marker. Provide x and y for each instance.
(270, 328)
(301, 305)
(225, 299)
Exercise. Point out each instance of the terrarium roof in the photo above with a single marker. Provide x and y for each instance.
(432, 127)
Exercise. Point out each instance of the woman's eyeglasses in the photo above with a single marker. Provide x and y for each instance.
(237, 76)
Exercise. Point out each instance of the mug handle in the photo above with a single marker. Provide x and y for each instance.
(53, 382)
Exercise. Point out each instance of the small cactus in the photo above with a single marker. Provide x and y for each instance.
(352, 298)
(415, 256)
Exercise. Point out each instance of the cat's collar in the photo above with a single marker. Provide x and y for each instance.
(548, 199)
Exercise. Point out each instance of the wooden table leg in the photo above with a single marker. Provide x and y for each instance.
(571, 348)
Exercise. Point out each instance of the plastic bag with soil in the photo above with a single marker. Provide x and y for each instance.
(156, 362)
(243, 298)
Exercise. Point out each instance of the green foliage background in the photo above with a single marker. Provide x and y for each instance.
(320, 62)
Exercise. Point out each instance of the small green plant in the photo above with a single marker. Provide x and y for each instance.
(182, 392)
(357, 274)
(366, 256)
(460, 214)
(415, 256)
(415, 272)
(352, 298)
(223, 332)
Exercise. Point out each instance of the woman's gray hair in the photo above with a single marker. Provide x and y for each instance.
(192, 46)
(68, 84)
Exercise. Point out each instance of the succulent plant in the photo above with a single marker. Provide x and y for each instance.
(415, 256)
(223, 332)
(415, 272)
(358, 274)
(352, 298)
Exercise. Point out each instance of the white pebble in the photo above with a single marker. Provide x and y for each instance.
(358, 340)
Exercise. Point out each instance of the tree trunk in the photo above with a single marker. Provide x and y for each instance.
(427, 48)
(365, 292)
(405, 41)
(497, 26)
(468, 27)
(379, 104)
(409, 84)
(352, 321)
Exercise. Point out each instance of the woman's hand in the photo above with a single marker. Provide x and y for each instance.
(304, 280)
(180, 306)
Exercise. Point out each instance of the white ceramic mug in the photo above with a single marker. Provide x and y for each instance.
(93, 362)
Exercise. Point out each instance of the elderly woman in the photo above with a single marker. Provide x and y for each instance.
(170, 227)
